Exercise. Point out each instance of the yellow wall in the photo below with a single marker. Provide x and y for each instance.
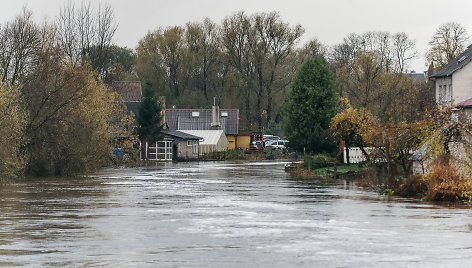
(231, 140)
(244, 142)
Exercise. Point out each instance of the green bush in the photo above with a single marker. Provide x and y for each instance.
(317, 161)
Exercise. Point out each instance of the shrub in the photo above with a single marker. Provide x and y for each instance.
(447, 184)
(317, 161)
(415, 186)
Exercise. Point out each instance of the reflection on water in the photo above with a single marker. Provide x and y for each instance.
(223, 214)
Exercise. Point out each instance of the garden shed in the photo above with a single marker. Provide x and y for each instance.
(212, 140)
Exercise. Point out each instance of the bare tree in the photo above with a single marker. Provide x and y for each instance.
(18, 42)
(203, 40)
(447, 43)
(404, 50)
(235, 38)
(86, 34)
(282, 40)
(67, 34)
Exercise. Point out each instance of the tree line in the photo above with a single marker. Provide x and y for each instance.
(249, 62)
(59, 116)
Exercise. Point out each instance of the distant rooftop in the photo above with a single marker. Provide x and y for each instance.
(420, 77)
(130, 91)
(200, 119)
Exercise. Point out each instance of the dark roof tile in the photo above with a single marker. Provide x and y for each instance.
(180, 135)
(130, 91)
(182, 119)
(458, 63)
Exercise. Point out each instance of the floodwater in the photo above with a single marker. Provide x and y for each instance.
(220, 214)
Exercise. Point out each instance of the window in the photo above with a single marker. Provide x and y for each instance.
(444, 96)
(450, 93)
(195, 147)
(189, 143)
(440, 94)
(195, 114)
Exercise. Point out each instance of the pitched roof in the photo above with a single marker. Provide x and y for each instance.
(420, 77)
(130, 91)
(458, 63)
(200, 119)
(180, 135)
(209, 137)
(466, 103)
(419, 154)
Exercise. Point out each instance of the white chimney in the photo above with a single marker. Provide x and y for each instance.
(215, 115)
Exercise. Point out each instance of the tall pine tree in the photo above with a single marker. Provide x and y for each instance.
(310, 105)
(149, 118)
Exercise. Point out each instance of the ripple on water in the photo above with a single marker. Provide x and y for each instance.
(212, 214)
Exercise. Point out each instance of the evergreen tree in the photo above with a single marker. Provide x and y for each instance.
(310, 105)
(149, 118)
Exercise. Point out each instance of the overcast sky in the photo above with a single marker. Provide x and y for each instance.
(329, 21)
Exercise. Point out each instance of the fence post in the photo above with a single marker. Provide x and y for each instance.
(140, 150)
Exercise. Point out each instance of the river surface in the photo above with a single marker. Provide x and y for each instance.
(220, 214)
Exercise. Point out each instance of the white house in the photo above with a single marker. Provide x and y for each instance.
(453, 83)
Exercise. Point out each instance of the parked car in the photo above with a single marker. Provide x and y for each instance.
(278, 144)
(270, 138)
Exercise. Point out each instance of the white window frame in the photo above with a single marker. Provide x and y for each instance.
(195, 147)
(450, 93)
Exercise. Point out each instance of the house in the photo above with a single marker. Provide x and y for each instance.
(453, 83)
(176, 145)
(131, 93)
(211, 140)
(226, 120)
(184, 145)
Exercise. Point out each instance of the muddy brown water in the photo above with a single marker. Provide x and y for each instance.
(223, 214)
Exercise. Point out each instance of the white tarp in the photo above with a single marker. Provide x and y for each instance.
(213, 140)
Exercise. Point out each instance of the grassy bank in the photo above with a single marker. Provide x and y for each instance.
(325, 171)
(443, 183)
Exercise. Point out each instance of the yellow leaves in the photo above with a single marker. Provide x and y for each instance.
(76, 121)
(446, 183)
(352, 125)
(12, 124)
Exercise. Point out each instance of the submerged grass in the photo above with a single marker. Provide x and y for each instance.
(340, 169)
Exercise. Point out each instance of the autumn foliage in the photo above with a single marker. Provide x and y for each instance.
(12, 124)
(447, 184)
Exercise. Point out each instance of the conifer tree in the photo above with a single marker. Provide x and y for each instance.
(149, 118)
(311, 103)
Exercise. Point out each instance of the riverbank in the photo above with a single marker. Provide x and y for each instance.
(342, 171)
(444, 183)
(275, 154)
